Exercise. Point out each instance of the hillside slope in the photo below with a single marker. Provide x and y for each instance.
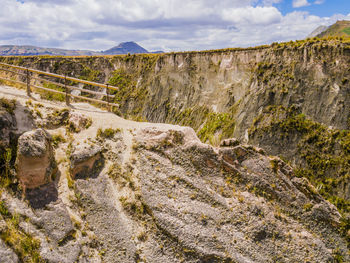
(143, 192)
(317, 31)
(339, 29)
(13, 50)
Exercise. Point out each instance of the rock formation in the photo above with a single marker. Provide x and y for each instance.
(85, 160)
(143, 192)
(35, 159)
(152, 192)
(291, 99)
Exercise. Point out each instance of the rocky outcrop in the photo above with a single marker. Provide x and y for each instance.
(7, 128)
(7, 124)
(6, 254)
(231, 204)
(55, 119)
(85, 160)
(155, 193)
(77, 122)
(35, 159)
(223, 93)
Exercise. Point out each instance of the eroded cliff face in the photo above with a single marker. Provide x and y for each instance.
(226, 93)
(142, 192)
(313, 75)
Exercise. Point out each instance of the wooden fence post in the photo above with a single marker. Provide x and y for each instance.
(28, 83)
(67, 91)
(107, 92)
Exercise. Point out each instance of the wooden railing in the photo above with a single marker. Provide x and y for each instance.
(27, 73)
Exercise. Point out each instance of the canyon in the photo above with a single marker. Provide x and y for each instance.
(153, 190)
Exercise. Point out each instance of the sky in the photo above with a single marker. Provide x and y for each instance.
(168, 25)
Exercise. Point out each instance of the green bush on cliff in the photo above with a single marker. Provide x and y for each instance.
(89, 74)
(8, 105)
(128, 91)
(323, 154)
(51, 95)
(216, 122)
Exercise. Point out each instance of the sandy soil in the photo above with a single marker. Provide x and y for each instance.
(101, 118)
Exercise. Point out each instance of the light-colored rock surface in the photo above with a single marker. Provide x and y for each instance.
(77, 121)
(35, 159)
(221, 94)
(164, 196)
(230, 204)
(6, 254)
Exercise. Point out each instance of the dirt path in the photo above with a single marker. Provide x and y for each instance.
(100, 118)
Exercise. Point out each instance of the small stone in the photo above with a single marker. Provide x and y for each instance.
(229, 142)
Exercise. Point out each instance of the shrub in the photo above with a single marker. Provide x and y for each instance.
(107, 133)
(9, 105)
(57, 139)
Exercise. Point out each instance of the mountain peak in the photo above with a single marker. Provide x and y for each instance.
(124, 48)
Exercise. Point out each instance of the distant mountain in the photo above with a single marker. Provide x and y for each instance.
(339, 29)
(125, 48)
(10, 50)
(122, 48)
(317, 31)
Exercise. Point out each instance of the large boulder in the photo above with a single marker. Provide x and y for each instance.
(86, 160)
(35, 159)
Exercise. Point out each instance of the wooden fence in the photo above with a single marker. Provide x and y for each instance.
(27, 73)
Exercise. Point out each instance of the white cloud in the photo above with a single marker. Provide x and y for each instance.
(271, 2)
(319, 2)
(300, 3)
(253, 15)
(154, 24)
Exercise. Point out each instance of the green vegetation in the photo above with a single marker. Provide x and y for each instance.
(51, 95)
(347, 30)
(128, 91)
(89, 74)
(8, 105)
(5, 165)
(323, 154)
(25, 246)
(274, 165)
(193, 117)
(7, 159)
(217, 122)
(107, 133)
(339, 29)
(7, 152)
(131, 203)
(57, 139)
(210, 126)
(88, 123)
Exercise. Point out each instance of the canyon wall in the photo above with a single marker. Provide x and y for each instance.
(292, 99)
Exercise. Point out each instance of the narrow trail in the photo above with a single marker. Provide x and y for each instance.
(101, 118)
